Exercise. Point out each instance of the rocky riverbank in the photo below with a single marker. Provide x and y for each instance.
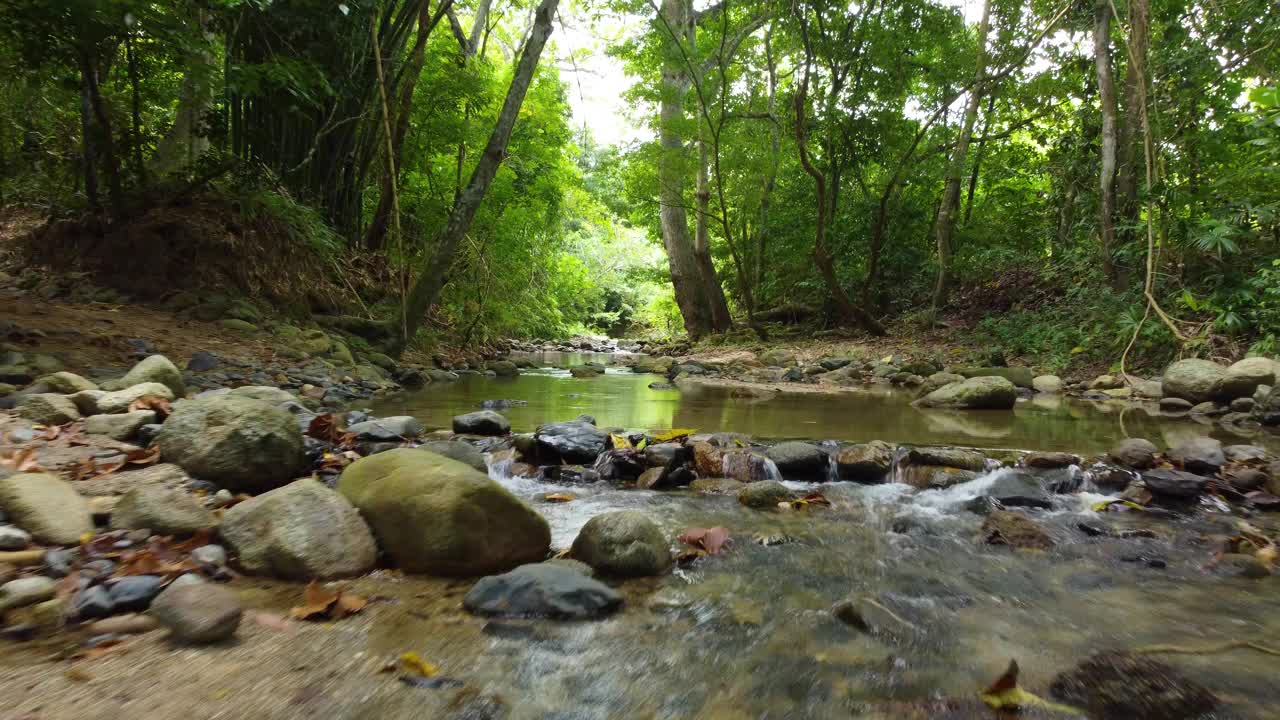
(132, 505)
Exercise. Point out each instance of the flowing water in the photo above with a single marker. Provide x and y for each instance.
(749, 634)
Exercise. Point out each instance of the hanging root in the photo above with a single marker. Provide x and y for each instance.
(1206, 649)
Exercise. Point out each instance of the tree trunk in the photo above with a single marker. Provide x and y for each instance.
(427, 289)
(711, 288)
(821, 256)
(951, 193)
(102, 129)
(771, 179)
(977, 159)
(1066, 216)
(88, 147)
(1129, 163)
(375, 238)
(1107, 176)
(674, 219)
(184, 144)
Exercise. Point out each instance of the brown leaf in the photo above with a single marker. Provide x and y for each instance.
(143, 456)
(559, 497)
(152, 402)
(711, 540)
(22, 460)
(320, 603)
(325, 427)
(1007, 681)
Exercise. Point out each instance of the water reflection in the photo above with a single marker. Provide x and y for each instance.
(620, 398)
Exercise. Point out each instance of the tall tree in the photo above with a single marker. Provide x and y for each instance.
(946, 221)
(434, 273)
(1107, 157)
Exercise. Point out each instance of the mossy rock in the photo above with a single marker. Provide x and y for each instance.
(438, 516)
(240, 326)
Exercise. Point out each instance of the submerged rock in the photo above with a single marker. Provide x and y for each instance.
(1003, 527)
(765, 495)
(236, 442)
(623, 543)
(1174, 484)
(547, 589)
(1120, 686)
(301, 531)
(438, 516)
(978, 393)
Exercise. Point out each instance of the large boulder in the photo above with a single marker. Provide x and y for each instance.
(120, 400)
(623, 543)
(1014, 487)
(504, 368)
(48, 409)
(481, 422)
(1020, 376)
(154, 369)
(163, 511)
(866, 463)
(1200, 455)
(938, 380)
(1244, 377)
(546, 589)
(46, 506)
(1193, 380)
(800, 460)
(574, 441)
(301, 531)
(435, 515)
(986, 392)
(236, 442)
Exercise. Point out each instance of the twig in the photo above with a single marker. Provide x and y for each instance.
(1206, 649)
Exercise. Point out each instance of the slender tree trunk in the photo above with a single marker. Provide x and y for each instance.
(977, 158)
(1066, 216)
(135, 106)
(673, 216)
(1107, 176)
(375, 238)
(951, 193)
(822, 256)
(102, 129)
(184, 144)
(771, 179)
(89, 152)
(427, 289)
(1129, 142)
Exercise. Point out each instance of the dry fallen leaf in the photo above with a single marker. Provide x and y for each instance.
(559, 497)
(325, 427)
(320, 603)
(711, 540)
(152, 402)
(22, 460)
(1005, 695)
(812, 499)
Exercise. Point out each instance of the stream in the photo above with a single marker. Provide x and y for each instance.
(749, 633)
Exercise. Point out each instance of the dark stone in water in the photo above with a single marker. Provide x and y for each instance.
(1120, 686)
(542, 590)
(622, 464)
(1015, 488)
(1174, 483)
(661, 386)
(574, 442)
(800, 460)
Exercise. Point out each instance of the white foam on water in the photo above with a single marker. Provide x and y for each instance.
(957, 495)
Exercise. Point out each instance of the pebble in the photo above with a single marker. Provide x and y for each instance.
(223, 498)
(26, 591)
(13, 538)
(210, 555)
(129, 624)
(58, 561)
(198, 614)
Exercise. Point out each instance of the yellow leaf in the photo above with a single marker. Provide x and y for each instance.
(619, 442)
(412, 664)
(644, 443)
(1004, 694)
(1077, 350)
(674, 434)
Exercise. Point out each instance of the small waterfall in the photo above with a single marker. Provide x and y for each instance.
(833, 471)
(499, 464)
(748, 466)
(769, 469)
